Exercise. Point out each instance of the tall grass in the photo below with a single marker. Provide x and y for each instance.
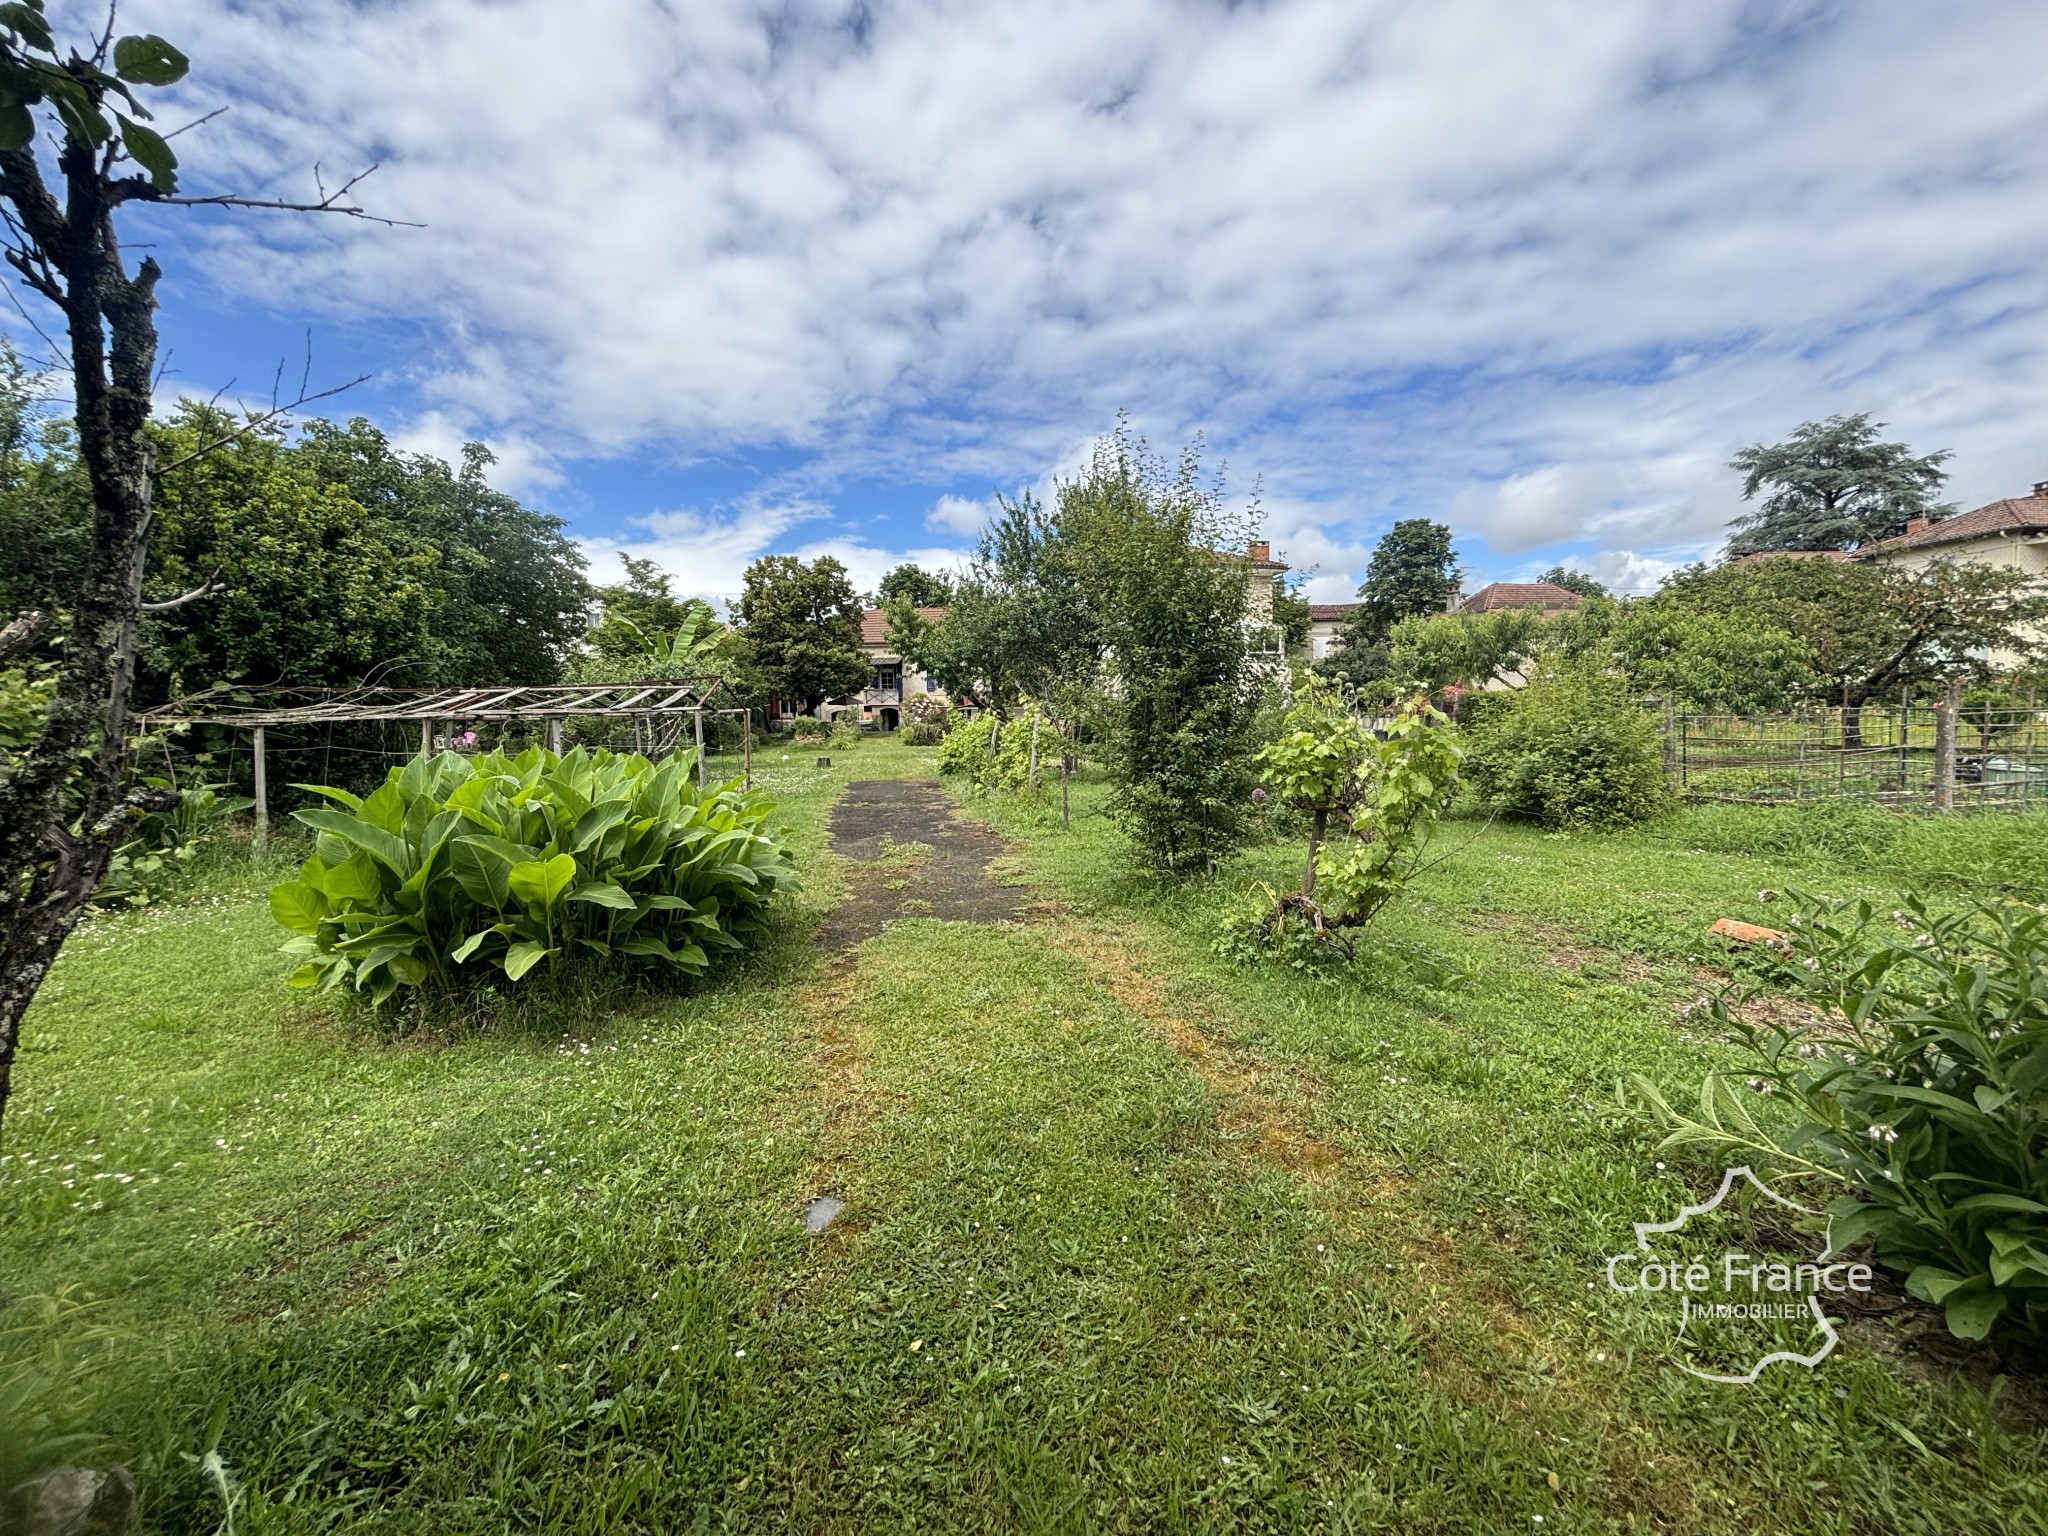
(1984, 850)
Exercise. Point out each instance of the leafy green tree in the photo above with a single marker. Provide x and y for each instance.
(1292, 614)
(1412, 572)
(314, 586)
(1714, 663)
(802, 623)
(45, 498)
(1019, 624)
(509, 590)
(1466, 650)
(1574, 581)
(633, 614)
(1157, 554)
(1833, 485)
(1871, 630)
(913, 586)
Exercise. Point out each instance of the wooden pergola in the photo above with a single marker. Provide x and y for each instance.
(657, 710)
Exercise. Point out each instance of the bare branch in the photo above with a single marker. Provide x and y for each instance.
(197, 122)
(99, 54)
(257, 423)
(330, 202)
(206, 588)
(24, 632)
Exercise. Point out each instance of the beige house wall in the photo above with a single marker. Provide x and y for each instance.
(2020, 552)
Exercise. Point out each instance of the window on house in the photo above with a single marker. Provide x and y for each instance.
(887, 677)
(931, 685)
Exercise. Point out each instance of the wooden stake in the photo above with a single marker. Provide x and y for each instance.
(1945, 745)
(697, 719)
(426, 738)
(262, 793)
(747, 747)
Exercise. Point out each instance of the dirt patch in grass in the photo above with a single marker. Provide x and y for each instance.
(914, 856)
(1251, 1115)
(1569, 951)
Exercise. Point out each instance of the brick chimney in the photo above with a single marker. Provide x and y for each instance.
(1915, 525)
(1261, 550)
(2041, 488)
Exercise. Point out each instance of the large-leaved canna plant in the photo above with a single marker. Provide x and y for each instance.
(1920, 1092)
(459, 863)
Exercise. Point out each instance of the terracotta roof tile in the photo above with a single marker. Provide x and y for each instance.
(1498, 595)
(2015, 514)
(874, 624)
(1330, 613)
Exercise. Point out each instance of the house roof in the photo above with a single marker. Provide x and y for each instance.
(1495, 596)
(874, 624)
(1795, 554)
(2015, 514)
(1330, 613)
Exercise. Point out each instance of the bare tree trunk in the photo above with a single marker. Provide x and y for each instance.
(1316, 831)
(62, 812)
(1945, 744)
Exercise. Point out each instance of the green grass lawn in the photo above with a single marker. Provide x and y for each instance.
(1132, 1240)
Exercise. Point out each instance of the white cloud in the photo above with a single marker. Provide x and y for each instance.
(957, 514)
(708, 554)
(1538, 265)
(521, 463)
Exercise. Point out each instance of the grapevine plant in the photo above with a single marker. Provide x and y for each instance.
(1373, 802)
(460, 863)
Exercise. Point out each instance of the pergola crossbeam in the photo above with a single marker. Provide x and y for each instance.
(355, 706)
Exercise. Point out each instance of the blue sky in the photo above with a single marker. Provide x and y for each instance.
(719, 279)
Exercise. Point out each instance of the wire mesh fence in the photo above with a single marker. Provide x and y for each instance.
(1880, 754)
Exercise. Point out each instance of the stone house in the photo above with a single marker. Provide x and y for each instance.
(892, 681)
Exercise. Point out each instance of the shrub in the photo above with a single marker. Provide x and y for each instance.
(522, 861)
(922, 733)
(166, 844)
(1924, 1093)
(1008, 768)
(1571, 749)
(965, 748)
